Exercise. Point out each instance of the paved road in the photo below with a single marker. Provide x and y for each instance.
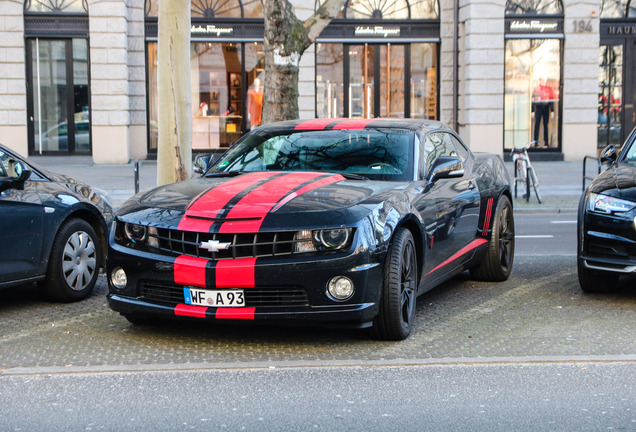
(534, 351)
(582, 396)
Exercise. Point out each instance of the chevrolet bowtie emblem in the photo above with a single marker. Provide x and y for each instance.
(214, 245)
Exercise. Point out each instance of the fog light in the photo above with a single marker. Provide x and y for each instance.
(340, 288)
(118, 278)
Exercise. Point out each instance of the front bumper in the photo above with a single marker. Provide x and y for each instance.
(290, 289)
(609, 242)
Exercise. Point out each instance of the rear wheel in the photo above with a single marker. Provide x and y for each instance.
(497, 264)
(397, 302)
(595, 281)
(73, 263)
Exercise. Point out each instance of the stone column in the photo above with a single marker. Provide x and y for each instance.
(117, 80)
(13, 113)
(481, 74)
(580, 78)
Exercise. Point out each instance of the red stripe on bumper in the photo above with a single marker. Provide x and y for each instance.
(354, 124)
(261, 200)
(190, 311)
(210, 203)
(235, 273)
(190, 271)
(470, 246)
(235, 313)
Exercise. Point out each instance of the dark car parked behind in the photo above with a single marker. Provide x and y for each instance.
(53, 229)
(607, 222)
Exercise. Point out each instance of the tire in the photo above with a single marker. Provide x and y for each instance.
(73, 263)
(528, 184)
(516, 177)
(535, 183)
(497, 264)
(397, 302)
(595, 281)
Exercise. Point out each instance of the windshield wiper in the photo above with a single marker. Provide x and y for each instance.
(352, 176)
(225, 173)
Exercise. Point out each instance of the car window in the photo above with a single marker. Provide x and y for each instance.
(460, 148)
(630, 156)
(4, 164)
(439, 144)
(379, 154)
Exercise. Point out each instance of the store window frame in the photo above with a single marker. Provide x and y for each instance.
(533, 25)
(376, 31)
(57, 23)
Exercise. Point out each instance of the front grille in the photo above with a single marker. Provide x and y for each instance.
(249, 245)
(270, 297)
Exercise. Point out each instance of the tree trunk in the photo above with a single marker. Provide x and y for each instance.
(174, 152)
(286, 39)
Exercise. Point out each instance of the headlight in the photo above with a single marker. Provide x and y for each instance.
(140, 234)
(607, 204)
(321, 240)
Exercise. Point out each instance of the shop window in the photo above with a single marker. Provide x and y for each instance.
(211, 9)
(223, 105)
(532, 95)
(56, 6)
(329, 80)
(618, 9)
(610, 95)
(424, 81)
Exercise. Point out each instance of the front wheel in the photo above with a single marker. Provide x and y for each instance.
(397, 302)
(73, 263)
(497, 264)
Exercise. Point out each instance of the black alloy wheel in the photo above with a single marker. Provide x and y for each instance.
(398, 299)
(497, 264)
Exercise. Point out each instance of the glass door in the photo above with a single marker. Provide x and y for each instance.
(58, 101)
(610, 95)
(376, 80)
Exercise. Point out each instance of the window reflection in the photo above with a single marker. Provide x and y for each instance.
(618, 9)
(215, 9)
(534, 7)
(329, 80)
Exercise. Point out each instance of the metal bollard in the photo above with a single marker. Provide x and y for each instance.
(136, 171)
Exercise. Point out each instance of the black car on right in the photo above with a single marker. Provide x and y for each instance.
(607, 222)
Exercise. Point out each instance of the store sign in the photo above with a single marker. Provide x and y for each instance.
(375, 31)
(211, 30)
(621, 30)
(533, 26)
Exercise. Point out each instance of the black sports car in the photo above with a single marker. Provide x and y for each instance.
(340, 222)
(607, 222)
(53, 229)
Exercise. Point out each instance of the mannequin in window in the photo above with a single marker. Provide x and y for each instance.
(255, 104)
(542, 109)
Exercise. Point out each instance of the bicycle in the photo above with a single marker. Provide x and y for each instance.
(524, 172)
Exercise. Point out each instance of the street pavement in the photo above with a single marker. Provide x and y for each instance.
(560, 182)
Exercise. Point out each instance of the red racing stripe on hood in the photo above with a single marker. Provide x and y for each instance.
(318, 183)
(210, 203)
(259, 202)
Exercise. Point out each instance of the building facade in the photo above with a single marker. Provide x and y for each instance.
(79, 77)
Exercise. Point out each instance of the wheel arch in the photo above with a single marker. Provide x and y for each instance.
(411, 223)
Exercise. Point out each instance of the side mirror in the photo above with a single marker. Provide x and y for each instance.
(201, 163)
(609, 155)
(446, 167)
(17, 175)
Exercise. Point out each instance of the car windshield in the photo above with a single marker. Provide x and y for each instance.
(378, 154)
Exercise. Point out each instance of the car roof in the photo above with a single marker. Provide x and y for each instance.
(353, 124)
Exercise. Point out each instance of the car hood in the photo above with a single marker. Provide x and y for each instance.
(618, 181)
(259, 195)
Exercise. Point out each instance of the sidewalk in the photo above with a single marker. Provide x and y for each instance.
(560, 182)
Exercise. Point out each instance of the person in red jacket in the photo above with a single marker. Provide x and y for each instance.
(542, 109)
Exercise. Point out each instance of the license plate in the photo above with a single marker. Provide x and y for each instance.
(215, 298)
